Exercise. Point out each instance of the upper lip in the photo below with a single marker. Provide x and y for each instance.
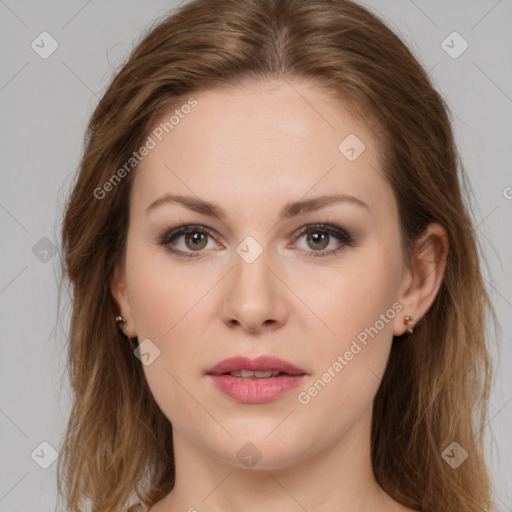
(261, 363)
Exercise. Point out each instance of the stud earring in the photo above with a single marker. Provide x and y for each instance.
(407, 321)
(121, 321)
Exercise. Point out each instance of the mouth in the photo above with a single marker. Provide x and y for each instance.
(263, 367)
(255, 381)
(265, 374)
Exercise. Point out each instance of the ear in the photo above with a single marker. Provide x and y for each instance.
(119, 290)
(423, 277)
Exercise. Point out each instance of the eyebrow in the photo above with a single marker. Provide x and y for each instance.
(291, 209)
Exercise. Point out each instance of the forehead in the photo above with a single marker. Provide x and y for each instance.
(275, 137)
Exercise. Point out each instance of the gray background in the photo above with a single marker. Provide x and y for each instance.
(44, 107)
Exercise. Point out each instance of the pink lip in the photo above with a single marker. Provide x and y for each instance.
(259, 364)
(255, 390)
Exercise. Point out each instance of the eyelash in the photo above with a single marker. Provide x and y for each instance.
(168, 235)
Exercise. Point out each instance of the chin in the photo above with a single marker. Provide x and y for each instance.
(257, 452)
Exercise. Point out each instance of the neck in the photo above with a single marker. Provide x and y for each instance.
(338, 477)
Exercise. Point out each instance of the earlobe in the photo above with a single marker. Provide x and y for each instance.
(425, 275)
(119, 291)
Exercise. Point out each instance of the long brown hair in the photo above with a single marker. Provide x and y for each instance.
(436, 385)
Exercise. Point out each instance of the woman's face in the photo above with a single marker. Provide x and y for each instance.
(251, 282)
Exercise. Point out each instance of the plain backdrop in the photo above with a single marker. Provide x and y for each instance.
(45, 104)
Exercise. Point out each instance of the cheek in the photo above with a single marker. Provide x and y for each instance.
(355, 304)
(348, 366)
(166, 305)
(349, 297)
(162, 294)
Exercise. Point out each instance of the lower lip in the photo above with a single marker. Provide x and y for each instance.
(255, 391)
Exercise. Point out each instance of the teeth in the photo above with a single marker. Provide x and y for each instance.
(246, 374)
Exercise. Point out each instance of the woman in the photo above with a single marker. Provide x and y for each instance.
(277, 300)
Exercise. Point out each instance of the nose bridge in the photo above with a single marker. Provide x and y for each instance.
(251, 277)
(253, 297)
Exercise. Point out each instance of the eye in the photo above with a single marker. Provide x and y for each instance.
(319, 236)
(195, 239)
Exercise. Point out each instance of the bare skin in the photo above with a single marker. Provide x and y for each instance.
(250, 151)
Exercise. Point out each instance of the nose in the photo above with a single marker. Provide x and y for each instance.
(254, 298)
